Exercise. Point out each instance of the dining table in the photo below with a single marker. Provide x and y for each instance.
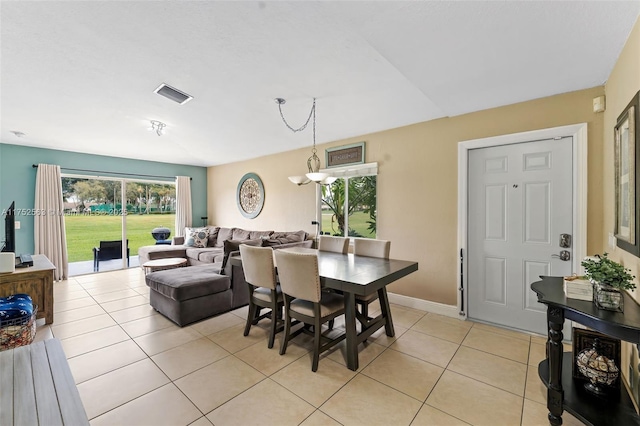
(358, 276)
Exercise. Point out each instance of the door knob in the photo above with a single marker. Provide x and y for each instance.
(564, 255)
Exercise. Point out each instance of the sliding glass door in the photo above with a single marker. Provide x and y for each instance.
(102, 213)
(151, 213)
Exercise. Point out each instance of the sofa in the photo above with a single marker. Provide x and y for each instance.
(187, 295)
(213, 285)
(209, 247)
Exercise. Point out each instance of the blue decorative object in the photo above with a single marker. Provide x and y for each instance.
(16, 307)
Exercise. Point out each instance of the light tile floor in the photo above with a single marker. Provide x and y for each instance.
(132, 366)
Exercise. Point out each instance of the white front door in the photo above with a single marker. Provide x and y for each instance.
(519, 203)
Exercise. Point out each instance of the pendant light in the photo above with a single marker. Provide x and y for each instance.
(313, 162)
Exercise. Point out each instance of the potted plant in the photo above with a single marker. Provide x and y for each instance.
(608, 278)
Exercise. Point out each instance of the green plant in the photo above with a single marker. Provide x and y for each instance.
(605, 271)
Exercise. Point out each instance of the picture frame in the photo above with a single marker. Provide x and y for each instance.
(345, 155)
(627, 190)
(610, 347)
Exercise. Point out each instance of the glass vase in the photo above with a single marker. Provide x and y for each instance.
(607, 297)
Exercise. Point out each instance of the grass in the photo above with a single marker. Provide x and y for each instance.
(84, 232)
(357, 222)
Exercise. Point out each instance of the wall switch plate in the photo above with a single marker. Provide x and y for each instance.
(17, 224)
(612, 241)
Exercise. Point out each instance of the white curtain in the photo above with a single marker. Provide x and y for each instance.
(49, 233)
(183, 204)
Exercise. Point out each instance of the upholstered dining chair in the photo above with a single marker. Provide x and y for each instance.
(264, 291)
(334, 244)
(304, 301)
(370, 248)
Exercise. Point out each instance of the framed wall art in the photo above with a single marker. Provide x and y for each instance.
(627, 190)
(345, 155)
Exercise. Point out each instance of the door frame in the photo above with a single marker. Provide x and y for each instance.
(579, 134)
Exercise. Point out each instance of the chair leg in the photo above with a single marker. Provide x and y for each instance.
(287, 330)
(365, 310)
(250, 317)
(317, 329)
(272, 329)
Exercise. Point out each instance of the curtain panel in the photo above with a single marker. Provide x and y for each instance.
(49, 231)
(183, 204)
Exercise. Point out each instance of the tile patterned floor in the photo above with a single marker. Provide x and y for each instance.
(132, 366)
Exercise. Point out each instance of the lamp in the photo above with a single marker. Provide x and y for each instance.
(313, 162)
(158, 126)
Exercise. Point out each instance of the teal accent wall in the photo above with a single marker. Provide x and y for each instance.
(18, 180)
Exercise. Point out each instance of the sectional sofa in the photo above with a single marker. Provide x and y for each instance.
(213, 285)
(213, 251)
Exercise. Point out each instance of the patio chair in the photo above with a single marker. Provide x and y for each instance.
(108, 250)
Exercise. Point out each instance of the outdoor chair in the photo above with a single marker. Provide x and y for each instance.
(304, 301)
(264, 291)
(108, 250)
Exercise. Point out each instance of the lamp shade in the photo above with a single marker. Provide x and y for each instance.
(317, 177)
(299, 180)
(328, 180)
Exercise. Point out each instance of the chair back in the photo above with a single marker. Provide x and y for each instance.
(298, 273)
(257, 263)
(110, 250)
(371, 248)
(334, 244)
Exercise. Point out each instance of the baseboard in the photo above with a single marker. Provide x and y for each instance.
(425, 305)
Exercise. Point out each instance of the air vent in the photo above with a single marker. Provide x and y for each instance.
(173, 94)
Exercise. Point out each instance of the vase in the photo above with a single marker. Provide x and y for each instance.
(601, 372)
(607, 297)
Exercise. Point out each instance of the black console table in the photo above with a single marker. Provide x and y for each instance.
(563, 393)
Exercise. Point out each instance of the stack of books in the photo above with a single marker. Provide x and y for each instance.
(576, 288)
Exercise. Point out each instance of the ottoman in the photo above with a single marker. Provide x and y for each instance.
(187, 295)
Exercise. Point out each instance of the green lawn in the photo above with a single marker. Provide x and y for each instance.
(85, 232)
(357, 222)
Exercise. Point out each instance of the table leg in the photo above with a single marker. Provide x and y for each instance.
(352, 334)
(386, 311)
(555, 394)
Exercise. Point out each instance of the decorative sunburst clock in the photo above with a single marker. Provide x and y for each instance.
(250, 195)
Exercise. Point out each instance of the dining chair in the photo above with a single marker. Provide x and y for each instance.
(370, 248)
(264, 291)
(334, 244)
(305, 301)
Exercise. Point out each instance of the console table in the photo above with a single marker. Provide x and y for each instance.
(36, 281)
(563, 392)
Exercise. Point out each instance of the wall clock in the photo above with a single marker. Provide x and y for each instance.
(250, 195)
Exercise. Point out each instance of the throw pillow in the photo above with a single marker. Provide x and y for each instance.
(234, 245)
(196, 237)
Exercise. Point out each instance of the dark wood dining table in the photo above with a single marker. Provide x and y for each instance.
(360, 275)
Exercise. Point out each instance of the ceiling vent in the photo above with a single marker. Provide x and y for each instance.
(173, 94)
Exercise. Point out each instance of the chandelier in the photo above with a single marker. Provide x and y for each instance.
(158, 127)
(313, 162)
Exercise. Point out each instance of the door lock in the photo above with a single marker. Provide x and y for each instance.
(564, 255)
(565, 240)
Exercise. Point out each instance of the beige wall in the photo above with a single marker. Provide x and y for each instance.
(623, 83)
(417, 185)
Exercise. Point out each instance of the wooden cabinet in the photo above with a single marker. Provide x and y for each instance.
(565, 393)
(36, 281)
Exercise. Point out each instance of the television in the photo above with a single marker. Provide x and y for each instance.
(10, 229)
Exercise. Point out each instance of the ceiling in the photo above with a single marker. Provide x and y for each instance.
(81, 75)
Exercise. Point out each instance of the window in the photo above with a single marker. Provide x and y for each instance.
(348, 206)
